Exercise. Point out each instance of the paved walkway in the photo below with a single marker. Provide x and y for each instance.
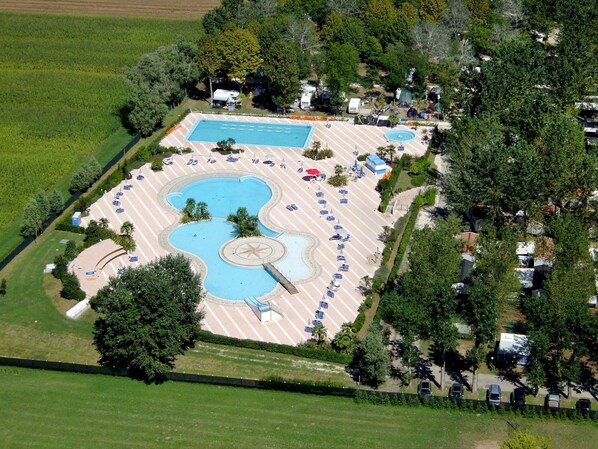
(141, 204)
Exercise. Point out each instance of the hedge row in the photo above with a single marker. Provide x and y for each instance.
(391, 186)
(299, 351)
(472, 405)
(360, 318)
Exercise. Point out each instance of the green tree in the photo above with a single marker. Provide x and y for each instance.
(103, 223)
(525, 440)
(344, 340)
(148, 316)
(245, 225)
(432, 10)
(281, 68)
(33, 219)
(56, 201)
(82, 179)
(70, 250)
(94, 167)
(44, 205)
(209, 60)
(127, 228)
(3, 287)
(340, 69)
(240, 52)
(201, 211)
(147, 110)
(320, 334)
(478, 8)
(372, 359)
(71, 288)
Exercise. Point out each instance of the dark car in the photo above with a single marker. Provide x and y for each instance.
(583, 406)
(424, 390)
(456, 392)
(552, 401)
(518, 398)
(493, 395)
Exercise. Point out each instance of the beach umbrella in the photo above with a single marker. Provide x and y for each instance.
(356, 152)
(312, 171)
(355, 165)
(361, 172)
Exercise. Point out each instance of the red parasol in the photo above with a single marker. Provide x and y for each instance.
(313, 171)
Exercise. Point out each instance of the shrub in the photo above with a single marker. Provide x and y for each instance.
(3, 287)
(157, 163)
(362, 157)
(419, 180)
(70, 251)
(299, 351)
(338, 180)
(71, 288)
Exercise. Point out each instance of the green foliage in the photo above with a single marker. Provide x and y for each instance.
(340, 69)
(281, 67)
(148, 316)
(71, 288)
(85, 175)
(432, 10)
(245, 225)
(56, 202)
(70, 250)
(157, 163)
(3, 287)
(240, 52)
(526, 440)
(226, 146)
(33, 219)
(338, 180)
(299, 351)
(372, 359)
(316, 153)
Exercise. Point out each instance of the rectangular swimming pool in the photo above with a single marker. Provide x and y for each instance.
(251, 133)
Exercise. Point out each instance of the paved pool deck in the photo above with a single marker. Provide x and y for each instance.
(145, 209)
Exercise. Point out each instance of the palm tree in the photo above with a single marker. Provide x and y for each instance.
(320, 334)
(201, 211)
(381, 152)
(391, 151)
(338, 170)
(344, 341)
(189, 207)
(127, 228)
(246, 225)
(103, 223)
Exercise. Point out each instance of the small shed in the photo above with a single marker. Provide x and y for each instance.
(375, 164)
(76, 219)
(513, 347)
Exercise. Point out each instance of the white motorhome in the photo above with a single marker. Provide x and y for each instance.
(306, 98)
(226, 96)
(354, 105)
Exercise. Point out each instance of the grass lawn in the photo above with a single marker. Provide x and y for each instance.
(33, 325)
(62, 410)
(61, 88)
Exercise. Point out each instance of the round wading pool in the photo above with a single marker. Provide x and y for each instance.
(400, 135)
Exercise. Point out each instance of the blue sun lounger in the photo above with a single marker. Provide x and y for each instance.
(323, 305)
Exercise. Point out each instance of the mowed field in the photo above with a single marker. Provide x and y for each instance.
(65, 410)
(61, 89)
(183, 9)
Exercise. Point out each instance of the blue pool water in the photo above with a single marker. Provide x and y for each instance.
(204, 239)
(251, 133)
(400, 135)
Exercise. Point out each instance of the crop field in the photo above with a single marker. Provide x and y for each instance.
(184, 9)
(65, 410)
(61, 89)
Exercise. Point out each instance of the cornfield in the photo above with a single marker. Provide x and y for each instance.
(61, 88)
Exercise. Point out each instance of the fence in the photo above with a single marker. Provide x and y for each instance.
(374, 397)
(69, 202)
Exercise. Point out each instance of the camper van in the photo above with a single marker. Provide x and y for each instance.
(225, 97)
(306, 101)
(354, 105)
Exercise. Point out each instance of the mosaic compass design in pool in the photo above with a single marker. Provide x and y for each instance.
(252, 251)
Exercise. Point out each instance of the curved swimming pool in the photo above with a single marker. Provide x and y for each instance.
(400, 135)
(204, 239)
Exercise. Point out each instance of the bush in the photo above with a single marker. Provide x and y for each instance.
(318, 155)
(299, 351)
(362, 157)
(70, 251)
(338, 180)
(3, 287)
(419, 180)
(71, 288)
(157, 163)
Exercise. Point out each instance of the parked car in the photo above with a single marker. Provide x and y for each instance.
(583, 406)
(518, 398)
(552, 401)
(456, 392)
(493, 395)
(424, 390)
